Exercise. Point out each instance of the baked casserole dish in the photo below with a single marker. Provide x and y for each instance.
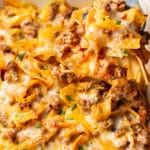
(73, 78)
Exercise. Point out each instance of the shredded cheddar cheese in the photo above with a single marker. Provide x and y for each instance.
(72, 78)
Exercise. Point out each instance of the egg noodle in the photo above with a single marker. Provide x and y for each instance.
(73, 78)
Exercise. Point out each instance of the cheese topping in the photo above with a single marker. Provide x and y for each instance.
(73, 78)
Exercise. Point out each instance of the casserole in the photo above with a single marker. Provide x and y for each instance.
(73, 78)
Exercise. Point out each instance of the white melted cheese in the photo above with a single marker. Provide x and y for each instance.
(8, 57)
(52, 92)
(15, 88)
(32, 132)
(117, 141)
(55, 145)
(7, 37)
(91, 97)
(4, 97)
(92, 66)
(12, 89)
(108, 135)
(92, 35)
(91, 121)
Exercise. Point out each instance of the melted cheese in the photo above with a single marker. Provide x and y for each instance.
(51, 92)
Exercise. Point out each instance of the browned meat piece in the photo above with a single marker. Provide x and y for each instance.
(52, 60)
(64, 42)
(127, 91)
(67, 13)
(143, 113)
(11, 101)
(69, 78)
(22, 138)
(80, 30)
(3, 119)
(118, 5)
(64, 51)
(53, 11)
(139, 105)
(120, 72)
(121, 6)
(58, 75)
(124, 143)
(9, 134)
(37, 90)
(117, 72)
(141, 134)
(70, 25)
(85, 104)
(143, 53)
(29, 28)
(106, 125)
(143, 137)
(102, 52)
(88, 97)
(4, 48)
(107, 7)
(105, 86)
(11, 65)
(102, 69)
(126, 34)
(120, 132)
(69, 38)
(108, 32)
(55, 102)
(10, 74)
(9, 13)
(24, 105)
(67, 43)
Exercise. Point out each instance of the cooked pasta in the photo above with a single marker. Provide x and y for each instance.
(73, 78)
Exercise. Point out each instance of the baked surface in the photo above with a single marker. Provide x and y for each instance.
(73, 78)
